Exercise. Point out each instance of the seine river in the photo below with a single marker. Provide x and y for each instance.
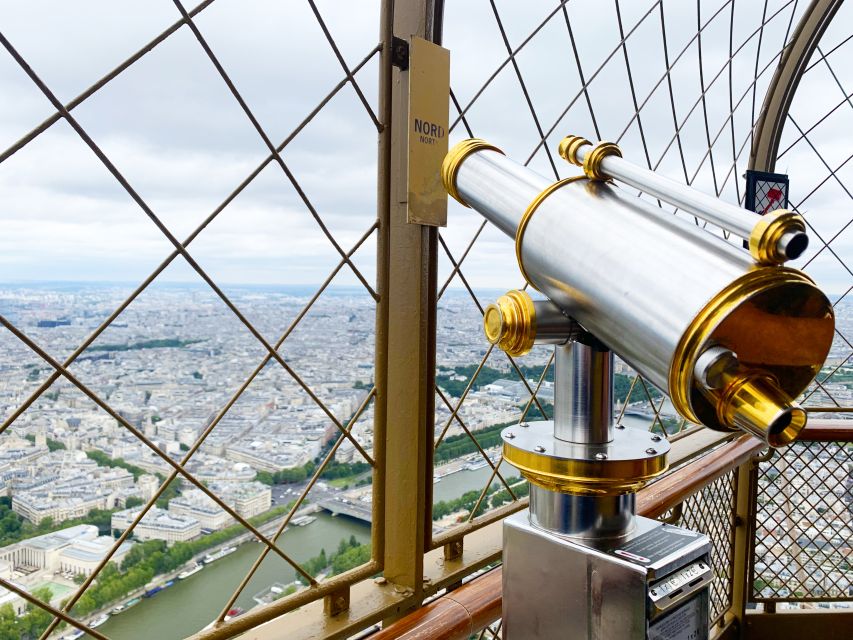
(191, 604)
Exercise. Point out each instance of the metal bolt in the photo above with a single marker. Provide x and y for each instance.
(523, 424)
(620, 426)
(381, 580)
(539, 448)
(600, 456)
(654, 593)
(510, 435)
(651, 451)
(656, 438)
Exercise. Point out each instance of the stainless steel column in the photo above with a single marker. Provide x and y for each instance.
(583, 401)
(588, 517)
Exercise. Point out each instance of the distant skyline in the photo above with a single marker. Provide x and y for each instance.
(173, 129)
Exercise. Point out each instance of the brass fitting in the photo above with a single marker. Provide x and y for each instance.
(592, 160)
(568, 149)
(570, 145)
(753, 401)
(764, 241)
(510, 323)
(453, 160)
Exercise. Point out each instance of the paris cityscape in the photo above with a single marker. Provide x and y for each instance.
(73, 476)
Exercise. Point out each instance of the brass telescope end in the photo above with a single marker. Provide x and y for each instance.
(778, 236)
(753, 402)
(453, 160)
(780, 326)
(510, 323)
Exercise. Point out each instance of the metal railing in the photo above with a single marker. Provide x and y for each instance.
(705, 494)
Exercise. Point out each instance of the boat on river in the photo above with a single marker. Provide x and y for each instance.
(213, 557)
(233, 613)
(97, 622)
(183, 575)
(155, 590)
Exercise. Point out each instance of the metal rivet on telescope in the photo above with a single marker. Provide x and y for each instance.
(620, 426)
(510, 435)
(656, 438)
(600, 456)
(651, 451)
(539, 448)
(523, 424)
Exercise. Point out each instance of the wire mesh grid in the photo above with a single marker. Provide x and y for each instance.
(803, 526)
(712, 511)
(177, 466)
(682, 101)
(821, 176)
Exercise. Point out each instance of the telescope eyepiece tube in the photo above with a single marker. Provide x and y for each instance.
(732, 336)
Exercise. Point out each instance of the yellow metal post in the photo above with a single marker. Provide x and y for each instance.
(405, 351)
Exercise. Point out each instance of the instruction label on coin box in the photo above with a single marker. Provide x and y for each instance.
(654, 545)
(429, 104)
(685, 623)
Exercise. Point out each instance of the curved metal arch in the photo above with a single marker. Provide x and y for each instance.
(786, 79)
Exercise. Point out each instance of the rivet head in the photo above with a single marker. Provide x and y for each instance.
(510, 435)
(523, 424)
(539, 448)
(600, 456)
(656, 438)
(651, 451)
(620, 426)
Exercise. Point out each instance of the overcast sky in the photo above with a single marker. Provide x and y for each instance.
(171, 126)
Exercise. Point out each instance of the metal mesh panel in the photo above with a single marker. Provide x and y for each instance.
(820, 173)
(804, 524)
(711, 511)
(52, 379)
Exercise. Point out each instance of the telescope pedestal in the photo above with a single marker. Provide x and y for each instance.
(580, 564)
(563, 588)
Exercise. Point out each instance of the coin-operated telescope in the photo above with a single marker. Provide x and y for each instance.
(731, 336)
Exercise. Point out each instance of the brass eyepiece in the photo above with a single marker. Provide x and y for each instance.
(777, 237)
(753, 401)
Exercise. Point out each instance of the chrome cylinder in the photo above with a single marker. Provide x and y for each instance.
(583, 394)
(739, 221)
(606, 257)
(485, 175)
(582, 516)
(552, 324)
(654, 288)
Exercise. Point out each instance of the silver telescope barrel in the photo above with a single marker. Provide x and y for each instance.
(656, 289)
(786, 241)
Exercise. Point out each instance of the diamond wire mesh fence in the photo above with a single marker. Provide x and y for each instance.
(804, 522)
(821, 178)
(682, 101)
(335, 404)
(712, 511)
